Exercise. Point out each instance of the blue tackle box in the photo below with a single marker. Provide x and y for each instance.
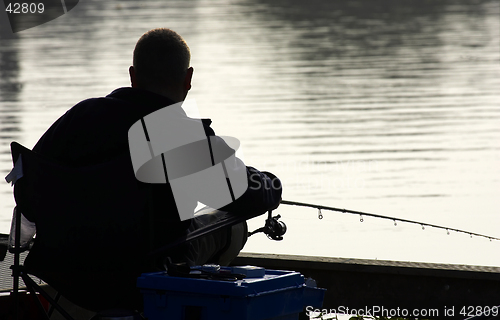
(262, 294)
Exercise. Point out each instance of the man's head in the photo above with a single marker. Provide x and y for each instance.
(161, 64)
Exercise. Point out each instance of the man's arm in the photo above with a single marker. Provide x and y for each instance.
(263, 194)
(264, 189)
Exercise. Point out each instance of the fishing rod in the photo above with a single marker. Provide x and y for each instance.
(367, 214)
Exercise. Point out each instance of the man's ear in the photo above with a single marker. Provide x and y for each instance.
(187, 79)
(133, 78)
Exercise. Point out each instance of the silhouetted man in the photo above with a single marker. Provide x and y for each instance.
(96, 130)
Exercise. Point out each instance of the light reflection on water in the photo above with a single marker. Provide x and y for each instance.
(383, 106)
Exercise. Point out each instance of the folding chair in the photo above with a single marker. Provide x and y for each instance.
(92, 229)
(80, 224)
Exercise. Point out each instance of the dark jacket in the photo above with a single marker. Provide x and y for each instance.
(96, 131)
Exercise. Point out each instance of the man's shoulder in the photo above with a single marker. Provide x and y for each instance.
(106, 107)
(120, 96)
(99, 102)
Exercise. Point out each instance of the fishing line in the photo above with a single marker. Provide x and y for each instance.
(367, 214)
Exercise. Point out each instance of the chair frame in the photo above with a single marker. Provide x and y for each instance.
(18, 272)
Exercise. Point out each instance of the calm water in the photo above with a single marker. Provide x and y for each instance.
(390, 107)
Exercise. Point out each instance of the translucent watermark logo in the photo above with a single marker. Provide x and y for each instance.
(167, 146)
(24, 15)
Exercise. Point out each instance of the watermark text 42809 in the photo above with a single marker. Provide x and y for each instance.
(24, 7)
(25, 15)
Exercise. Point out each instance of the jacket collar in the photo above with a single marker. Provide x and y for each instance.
(141, 97)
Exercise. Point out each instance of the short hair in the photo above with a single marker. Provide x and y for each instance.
(161, 57)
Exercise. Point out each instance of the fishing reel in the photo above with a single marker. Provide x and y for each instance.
(273, 228)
